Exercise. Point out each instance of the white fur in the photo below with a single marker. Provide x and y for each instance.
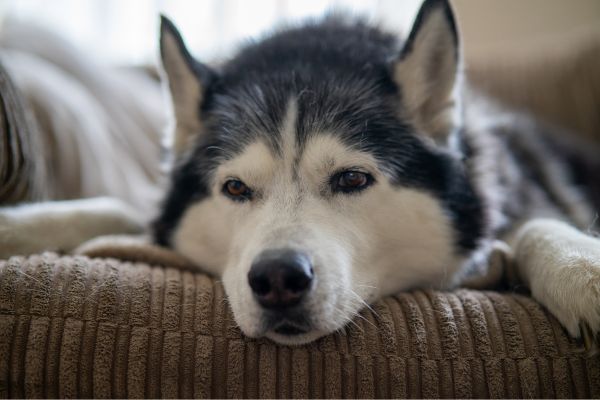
(205, 230)
(561, 266)
(362, 246)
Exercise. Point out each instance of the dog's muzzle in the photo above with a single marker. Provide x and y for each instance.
(280, 279)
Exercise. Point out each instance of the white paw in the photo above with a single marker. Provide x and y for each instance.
(561, 266)
(571, 292)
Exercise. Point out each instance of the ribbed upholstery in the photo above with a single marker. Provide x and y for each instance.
(80, 327)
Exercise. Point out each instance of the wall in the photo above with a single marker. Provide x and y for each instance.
(491, 26)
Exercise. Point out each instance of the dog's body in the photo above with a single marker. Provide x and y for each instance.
(331, 164)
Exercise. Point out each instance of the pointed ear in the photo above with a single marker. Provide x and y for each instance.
(188, 81)
(426, 70)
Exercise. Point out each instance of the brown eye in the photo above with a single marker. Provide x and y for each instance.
(237, 190)
(351, 181)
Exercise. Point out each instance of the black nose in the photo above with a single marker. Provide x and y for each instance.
(280, 278)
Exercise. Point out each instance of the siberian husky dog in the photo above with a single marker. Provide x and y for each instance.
(332, 163)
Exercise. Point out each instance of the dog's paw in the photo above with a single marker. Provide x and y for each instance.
(561, 266)
(571, 292)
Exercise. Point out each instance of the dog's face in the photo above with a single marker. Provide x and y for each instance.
(310, 174)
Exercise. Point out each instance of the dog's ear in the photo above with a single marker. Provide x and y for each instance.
(426, 70)
(188, 82)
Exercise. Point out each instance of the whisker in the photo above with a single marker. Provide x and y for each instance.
(366, 320)
(367, 305)
(360, 328)
(349, 319)
(367, 286)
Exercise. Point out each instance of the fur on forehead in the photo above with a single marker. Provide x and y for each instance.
(321, 156)
(318, 155)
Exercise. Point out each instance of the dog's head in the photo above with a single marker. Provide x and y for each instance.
(312, 171)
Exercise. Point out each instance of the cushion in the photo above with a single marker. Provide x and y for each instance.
(99, 327)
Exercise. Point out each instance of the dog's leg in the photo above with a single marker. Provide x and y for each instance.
(561, 267)
(63, 225)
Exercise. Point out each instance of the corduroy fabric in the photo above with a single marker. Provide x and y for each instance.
(81, 327)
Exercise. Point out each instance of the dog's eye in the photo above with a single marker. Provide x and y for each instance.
(351, 181)
(237, 190)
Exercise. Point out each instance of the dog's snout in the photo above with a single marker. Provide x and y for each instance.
(280, 278)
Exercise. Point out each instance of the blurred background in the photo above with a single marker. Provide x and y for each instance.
(124, 31)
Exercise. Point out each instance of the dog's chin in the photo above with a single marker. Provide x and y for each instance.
(294, 338)
(287, 331)
(286, 335)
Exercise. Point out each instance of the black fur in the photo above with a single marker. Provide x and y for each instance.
(339, 72)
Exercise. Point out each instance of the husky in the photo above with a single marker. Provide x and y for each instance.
(332, 163)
